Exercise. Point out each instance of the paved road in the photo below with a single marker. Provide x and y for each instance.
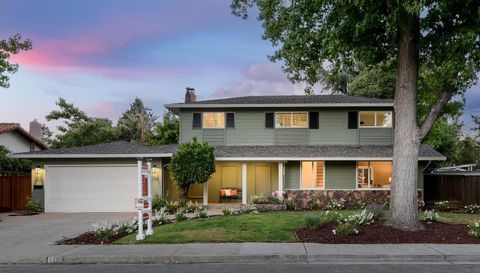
(240, 268)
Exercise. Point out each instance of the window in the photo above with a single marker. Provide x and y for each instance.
(292, 120)
(312, 174)
(213, 120)
(230, 120)
(376, 119)
(374, 174)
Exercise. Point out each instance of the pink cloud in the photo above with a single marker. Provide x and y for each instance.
(106, 109)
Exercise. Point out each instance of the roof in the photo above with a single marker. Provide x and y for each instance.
(287, 101)
(123, 149)
(15, 127)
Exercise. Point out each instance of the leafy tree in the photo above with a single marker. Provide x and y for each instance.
(476, 120)
(69, 114)
(135, 119)
(443, 36)
(12, 165)
(467, 152)
(166, 132)
(8, 47)
(192, 163)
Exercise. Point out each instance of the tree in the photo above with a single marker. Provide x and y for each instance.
(70, 115)
(192, 163)
(12, 165)
(8, 47)
(442, 36)
(137, 122)
(467, 152)
(166, 132)
(476, 120)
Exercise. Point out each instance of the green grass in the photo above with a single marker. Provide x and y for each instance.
(262, 227)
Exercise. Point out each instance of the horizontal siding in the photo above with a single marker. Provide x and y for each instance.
(293, 136)
(214, 136)
(340, 175)
(249, 130)
(186, 131)
(376, 136)
(333, 129)
(292, 175)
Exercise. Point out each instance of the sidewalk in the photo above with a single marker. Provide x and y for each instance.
(253, 253)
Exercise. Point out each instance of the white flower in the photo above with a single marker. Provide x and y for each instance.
(334, 232)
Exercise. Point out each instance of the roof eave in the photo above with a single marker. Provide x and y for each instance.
(52, 156)
(175, 106)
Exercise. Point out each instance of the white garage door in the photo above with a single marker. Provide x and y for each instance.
(92, 188)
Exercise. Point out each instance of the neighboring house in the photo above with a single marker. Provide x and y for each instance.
(318, 147)
(17, 140)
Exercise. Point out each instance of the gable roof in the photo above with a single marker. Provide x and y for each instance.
(286, 101)
(123, 149)
(15, 127)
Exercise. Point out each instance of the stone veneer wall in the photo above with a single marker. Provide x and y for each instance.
(304, 198)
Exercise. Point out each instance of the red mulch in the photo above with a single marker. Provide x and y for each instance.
(378, 233)
(88, 238)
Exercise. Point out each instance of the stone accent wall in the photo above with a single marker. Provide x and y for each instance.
(303, 199)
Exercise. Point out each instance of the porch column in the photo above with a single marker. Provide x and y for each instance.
(280, 181)
(205, 193)
(244, 183)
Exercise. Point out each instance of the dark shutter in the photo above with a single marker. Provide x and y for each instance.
(352, 120)
(197, 121)
(268, 120)
(313, 120)
(230, 120)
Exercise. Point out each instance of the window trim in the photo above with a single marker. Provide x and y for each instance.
(201, 121)
(369, 187)
(224, 120)
(301, 175)
(375, 120)
(234, 121)
(291, 127)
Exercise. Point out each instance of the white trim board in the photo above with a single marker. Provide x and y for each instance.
(268, 105)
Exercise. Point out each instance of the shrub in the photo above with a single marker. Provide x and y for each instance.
(171, 207)
(420, 204)
(265, 199)
(363, 204)
(32, 207)
(104, 231)
(441, 206)
(202, 213)
(128, 227)
(191, 207)
(290, 204)
(158, 202)
(336, 205)
(474, 229)
(346, 229)
(250, 209)
(473, 209)
(359, 219)
(315, 221)
(160, 216)
(431, 216)
(228, 211)
(180, 216)
(377, 211)
(314, 205)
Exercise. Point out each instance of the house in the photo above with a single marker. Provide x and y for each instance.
(318, 147)
(17, 140)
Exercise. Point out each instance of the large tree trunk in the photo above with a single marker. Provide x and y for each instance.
(403, 199)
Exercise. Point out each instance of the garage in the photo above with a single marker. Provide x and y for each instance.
(90, 188)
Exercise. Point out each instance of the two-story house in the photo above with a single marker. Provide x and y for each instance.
(313, 148)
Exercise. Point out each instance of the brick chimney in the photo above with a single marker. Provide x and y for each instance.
(36, 129)
(190, 96)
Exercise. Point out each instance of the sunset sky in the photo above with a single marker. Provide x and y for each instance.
(100, 55)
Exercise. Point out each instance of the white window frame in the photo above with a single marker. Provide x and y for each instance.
(301, 175)
(375, 119)
(224, 120)
(369, 175)
(291, 113)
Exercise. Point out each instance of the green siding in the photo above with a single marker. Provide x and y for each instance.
(376, 136)
(214, 136)
(340, 175)
(249, 130)
(333, 129)
(291, 136)
(292, 175)
(186, 131)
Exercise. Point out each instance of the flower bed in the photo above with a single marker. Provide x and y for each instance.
(379, 233)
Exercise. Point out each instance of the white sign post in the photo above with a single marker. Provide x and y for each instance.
(143, 204)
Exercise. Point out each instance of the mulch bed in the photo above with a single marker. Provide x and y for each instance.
(378, 233)
(88, 238)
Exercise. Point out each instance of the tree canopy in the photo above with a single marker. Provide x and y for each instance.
(9, 47)
(12, 165)
(166, 132)
(137, 122)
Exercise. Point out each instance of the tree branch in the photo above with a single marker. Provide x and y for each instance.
(437, 107)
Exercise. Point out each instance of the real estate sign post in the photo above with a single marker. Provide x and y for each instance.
(143, 202)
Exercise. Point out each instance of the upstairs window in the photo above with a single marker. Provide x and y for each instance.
(291, 120)
(381, 119)
(214, 120)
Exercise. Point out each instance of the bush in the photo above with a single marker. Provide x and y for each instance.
(191, 207)
(346, 229)
(227, 211)
(180, 216)
(315, 221)
(171, 207)
(441, 206)
(32, 207)
(202, 213)
(359, 219)
(472, 209)
(290, 204)
(158, 202)
(314, 205)
(431, 216)
(265, 199)
(377, 211)
(250, 209)
(363, 204)
(474, 229)
(128, 227)
(336, 205)
(104, 231)
(160, 216)
(420, 204)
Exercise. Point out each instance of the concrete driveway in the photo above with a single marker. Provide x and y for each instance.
(22, 237)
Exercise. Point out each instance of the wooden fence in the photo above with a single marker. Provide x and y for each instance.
(458, 189)
(14, 191)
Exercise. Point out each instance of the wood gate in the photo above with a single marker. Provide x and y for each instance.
(14, 191)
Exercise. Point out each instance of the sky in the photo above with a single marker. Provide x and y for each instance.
(100, 55)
